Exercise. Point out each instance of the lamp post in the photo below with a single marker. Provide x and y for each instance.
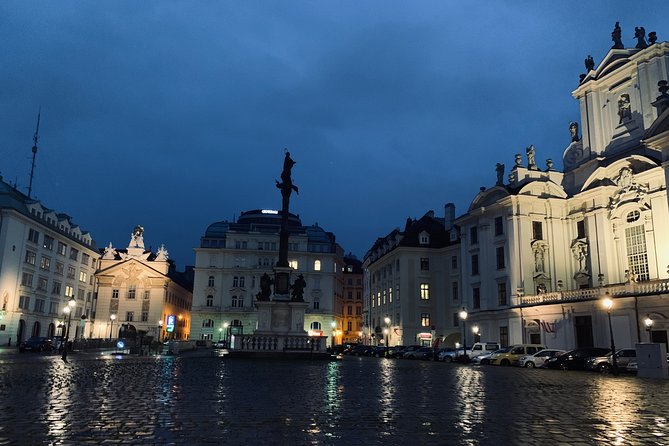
(608, 305)
(386, 331)
(475, 330)
(220, 333)
(112, 318)
(225, 336)
(463, 316)
(68, 311)
(648, 322)
(333, 324)
(160, 330)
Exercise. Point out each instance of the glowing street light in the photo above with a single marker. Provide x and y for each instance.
(607, 303)
(225, 335)
(112, 318)
(648, 322)
(68, 311)
(475, 330)
(463, 316)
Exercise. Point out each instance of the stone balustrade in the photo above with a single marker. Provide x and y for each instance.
(279, 343)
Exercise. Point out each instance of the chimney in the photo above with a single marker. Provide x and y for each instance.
(449, 216)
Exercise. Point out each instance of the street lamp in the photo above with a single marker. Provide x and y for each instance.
(386, 331)
(220, 333)
(648, 322)
(112, 318)
(68, 311)
(607, 302)
(333, 324)
(225, 336)
(475, 330)
(463, 317)
(160, 330)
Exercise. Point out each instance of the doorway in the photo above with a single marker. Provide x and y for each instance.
(583, 326)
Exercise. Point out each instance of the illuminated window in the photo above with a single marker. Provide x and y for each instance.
(293, 264)
(45, 263)
(425, 319)
(69, 291)
(31, 257)
(425, 291)
(317, 265)
(378, 298)
(390, 294)
(83, 277)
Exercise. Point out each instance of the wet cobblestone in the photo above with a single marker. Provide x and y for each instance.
(357, 401)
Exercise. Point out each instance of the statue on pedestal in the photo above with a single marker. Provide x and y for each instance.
(266, 283)
(499, 168)
(616, 36)
(298, 289)
(640, 36)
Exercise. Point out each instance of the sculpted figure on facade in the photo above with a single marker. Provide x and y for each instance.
(640, 36)
(540, 250)
(589, 63)
(624, 108)
(109, 252)
(137, 237)
(531, 163)
(616, 36)
(630, 276)
(652, 37)
(573, 131)
(266, 283)
(580, 251)
(298, 289)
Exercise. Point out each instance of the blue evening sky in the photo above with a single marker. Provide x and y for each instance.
(174, 115)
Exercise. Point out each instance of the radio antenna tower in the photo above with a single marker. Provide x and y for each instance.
(35, 139)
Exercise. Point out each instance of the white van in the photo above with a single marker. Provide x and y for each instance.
(481, 348)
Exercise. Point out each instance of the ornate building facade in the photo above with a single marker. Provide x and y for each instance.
(412, 284)
(352, 322)
(45, 261)
(233, 256)
(543, 248)
(141, 291)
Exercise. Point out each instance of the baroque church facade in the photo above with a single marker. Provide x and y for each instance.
(543, 248)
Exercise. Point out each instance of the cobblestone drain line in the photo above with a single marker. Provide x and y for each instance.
(357, 401)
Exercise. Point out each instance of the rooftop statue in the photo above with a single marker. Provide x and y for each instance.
(589, 63)
(616, 36)
(286, 185)
(640, 36)
(573, 130)
(499, 168)
(652, 37)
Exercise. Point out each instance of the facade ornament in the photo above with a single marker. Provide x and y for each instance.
(589, 63)
(624, 108)
(109, 253)
(652, 37)
(640, 36)
(518, 159)
(628, 188)
(531, 164)
(499, 169)
(137, 237)
(549, 164)
(540, 251)
(298, 289)
(266, 283)
(573, 131)
(616, 36)
(630, 276)
(162, 253)
(579, 248)
(661, 103)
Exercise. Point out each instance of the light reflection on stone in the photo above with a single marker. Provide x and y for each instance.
(469, 398)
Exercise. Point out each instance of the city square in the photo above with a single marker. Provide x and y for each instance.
(199, 398)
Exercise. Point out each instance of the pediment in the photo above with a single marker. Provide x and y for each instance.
(611, 174)
(543, 188)
(489, 197)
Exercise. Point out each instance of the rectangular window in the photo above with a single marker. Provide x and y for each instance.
(454, 262)
(499, 226)
(59, 268)
(234, 301)
(317, 305)
(48, 243)
(31, 257)
(241, 301)
(69, 291)
(74, 254)
(132, 291)
(425, 291)
(501, 294)
(476, 297)
(27, 279)
(42, 284)
(293, 264)
(475, 264)
(637, 255)
(580, 229)
(129, 316)
(71, 272)
(390, 294)
(147, 294)
(504, 336)
(349, 325)
(456, 319)
(145, 316)
(81, 294)
(425, 319)
(53, 307)
(424, 264)
(473, 235)
(358, 295)
(384, 297)
(350, 310)
(33, 236)
(455, 291)
(55, 288)
(358, 310)
(62, 248)
(85, 259)
(499, 254)
(24, 302)
(45, 263)
(378, 298)
(115, 294)
(537, 230)
(241, 282)
(235, 282)
(83, 277)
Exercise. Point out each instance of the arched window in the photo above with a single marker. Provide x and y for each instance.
(236, 323)
(317, 265)
(315, 326)
(234, 301)
(210, 301)
(211, 281)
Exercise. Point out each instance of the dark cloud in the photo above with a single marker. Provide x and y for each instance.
(175, 114)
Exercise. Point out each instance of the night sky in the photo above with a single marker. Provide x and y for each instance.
(175, 115)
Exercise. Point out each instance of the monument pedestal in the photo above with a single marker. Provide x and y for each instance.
(281, 317)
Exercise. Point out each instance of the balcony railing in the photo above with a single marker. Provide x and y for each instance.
(618, 290)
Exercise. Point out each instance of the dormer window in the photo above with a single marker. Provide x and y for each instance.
(424, 238)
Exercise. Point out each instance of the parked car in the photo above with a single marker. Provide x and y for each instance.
(378, 351)
(604, 364)
(449, 354)
(539, 358)
(396, 351)
(220, 344)
(360, 350)
(485, 358)
(36, 344)
(575, 359)
(481, 348)
(512, 357)
(420, 353)
(409, 349)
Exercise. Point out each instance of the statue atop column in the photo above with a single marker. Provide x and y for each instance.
(286, 184)
(287, 187)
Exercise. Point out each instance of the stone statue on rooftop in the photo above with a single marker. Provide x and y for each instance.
(531, 162)
(640, 36)
(616, 36)
(589, 63)
(652, 37)
(499, 168)
(573, 130)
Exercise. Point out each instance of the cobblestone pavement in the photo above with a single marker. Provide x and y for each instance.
(200, 399)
